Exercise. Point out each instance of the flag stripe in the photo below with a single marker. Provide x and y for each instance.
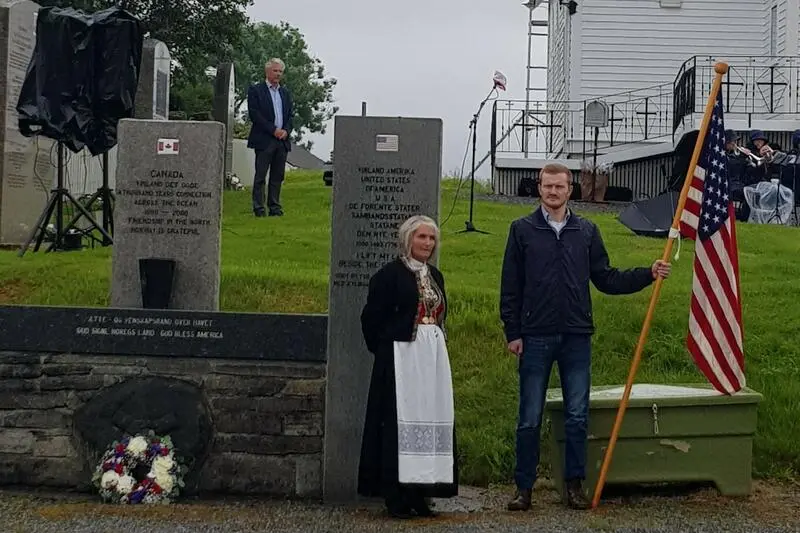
(714, 375)
(727, 317)
(715, 316)
(711, 351)
(715, 334)
(725, 287)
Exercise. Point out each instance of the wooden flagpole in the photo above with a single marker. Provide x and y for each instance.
(720, 69)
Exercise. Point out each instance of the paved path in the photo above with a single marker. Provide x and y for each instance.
(770, 509)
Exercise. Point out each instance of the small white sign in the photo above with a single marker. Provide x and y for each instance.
(167, 146)
(386, 143)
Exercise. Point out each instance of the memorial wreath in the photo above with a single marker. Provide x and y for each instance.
(139, 469)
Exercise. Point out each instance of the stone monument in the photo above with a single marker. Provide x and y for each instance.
(224, 106)
(387, 169)
(168, 215)
(26, 175)
(152, 93)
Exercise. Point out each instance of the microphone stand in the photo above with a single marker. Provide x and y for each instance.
(473, 124)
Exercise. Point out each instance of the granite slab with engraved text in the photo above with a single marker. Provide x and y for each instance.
(26, 175)
(169, 206)
(106, 331)
(387, 169)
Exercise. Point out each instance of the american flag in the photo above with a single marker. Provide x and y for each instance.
(715, 315)
(386, 143)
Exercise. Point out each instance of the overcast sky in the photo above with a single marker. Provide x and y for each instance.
(415, 58)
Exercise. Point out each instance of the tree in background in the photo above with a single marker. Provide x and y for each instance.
(305, 77)
(191, 100)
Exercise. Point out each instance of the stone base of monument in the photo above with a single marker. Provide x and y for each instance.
(241, 395)
(670, 434)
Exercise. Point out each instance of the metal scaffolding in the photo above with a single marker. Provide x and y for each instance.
(537, 41)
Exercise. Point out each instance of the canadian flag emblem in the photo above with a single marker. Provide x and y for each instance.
(167, 146)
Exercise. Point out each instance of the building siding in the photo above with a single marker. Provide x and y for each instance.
(782, 41)
(633, 44)
(793, 21)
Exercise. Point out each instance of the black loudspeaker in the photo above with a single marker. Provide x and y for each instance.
(82, 77)
(156, 278)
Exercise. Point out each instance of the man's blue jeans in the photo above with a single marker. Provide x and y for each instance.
(572, 353)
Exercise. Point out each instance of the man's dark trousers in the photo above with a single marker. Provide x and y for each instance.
(274, 160)
(572, 353)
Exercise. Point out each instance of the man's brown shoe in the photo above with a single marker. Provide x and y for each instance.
(576, 497)
(521, 502)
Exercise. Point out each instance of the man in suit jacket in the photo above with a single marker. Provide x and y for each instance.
(270, 107)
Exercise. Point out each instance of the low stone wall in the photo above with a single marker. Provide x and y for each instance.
(256, 426)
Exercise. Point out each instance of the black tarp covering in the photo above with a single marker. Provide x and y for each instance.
(651, 217)
(82, 77)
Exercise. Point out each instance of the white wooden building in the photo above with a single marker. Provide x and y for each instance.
(639, 57)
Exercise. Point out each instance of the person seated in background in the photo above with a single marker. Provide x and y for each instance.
(795, 150)
(757, 155)
(760, 145)
(783, 165)
(761, 161)
(738, 166)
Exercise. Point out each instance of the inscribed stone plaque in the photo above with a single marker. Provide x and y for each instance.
(224, 102)
(152, 93)
(387, 170)
(84, 330)
(169, 206)
(26, 174)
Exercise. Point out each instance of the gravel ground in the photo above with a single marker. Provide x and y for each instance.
(770, 508)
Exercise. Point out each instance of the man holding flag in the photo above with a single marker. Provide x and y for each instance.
(545, 305)
(705, 213)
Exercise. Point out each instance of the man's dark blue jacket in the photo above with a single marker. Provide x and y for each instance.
(262, 114)
(545, 278)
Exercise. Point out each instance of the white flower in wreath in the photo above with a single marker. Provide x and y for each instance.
(125, 484)
(137, 446)
(109, 479)
(162, 466)
(165, 482)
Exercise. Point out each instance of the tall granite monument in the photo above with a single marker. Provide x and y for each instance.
(26, 175)
(168, 215)
(152, 93)
(387, 169)
(224, 108)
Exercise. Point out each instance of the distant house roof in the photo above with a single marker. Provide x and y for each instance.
(299, 157)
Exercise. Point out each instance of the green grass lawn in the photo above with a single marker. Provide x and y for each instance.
(281, 265)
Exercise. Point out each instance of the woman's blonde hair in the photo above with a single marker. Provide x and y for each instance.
(407, 230)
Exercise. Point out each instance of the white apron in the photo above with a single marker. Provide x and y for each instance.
(425, 412)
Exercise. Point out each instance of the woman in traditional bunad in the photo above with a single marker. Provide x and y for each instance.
(408, 451)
